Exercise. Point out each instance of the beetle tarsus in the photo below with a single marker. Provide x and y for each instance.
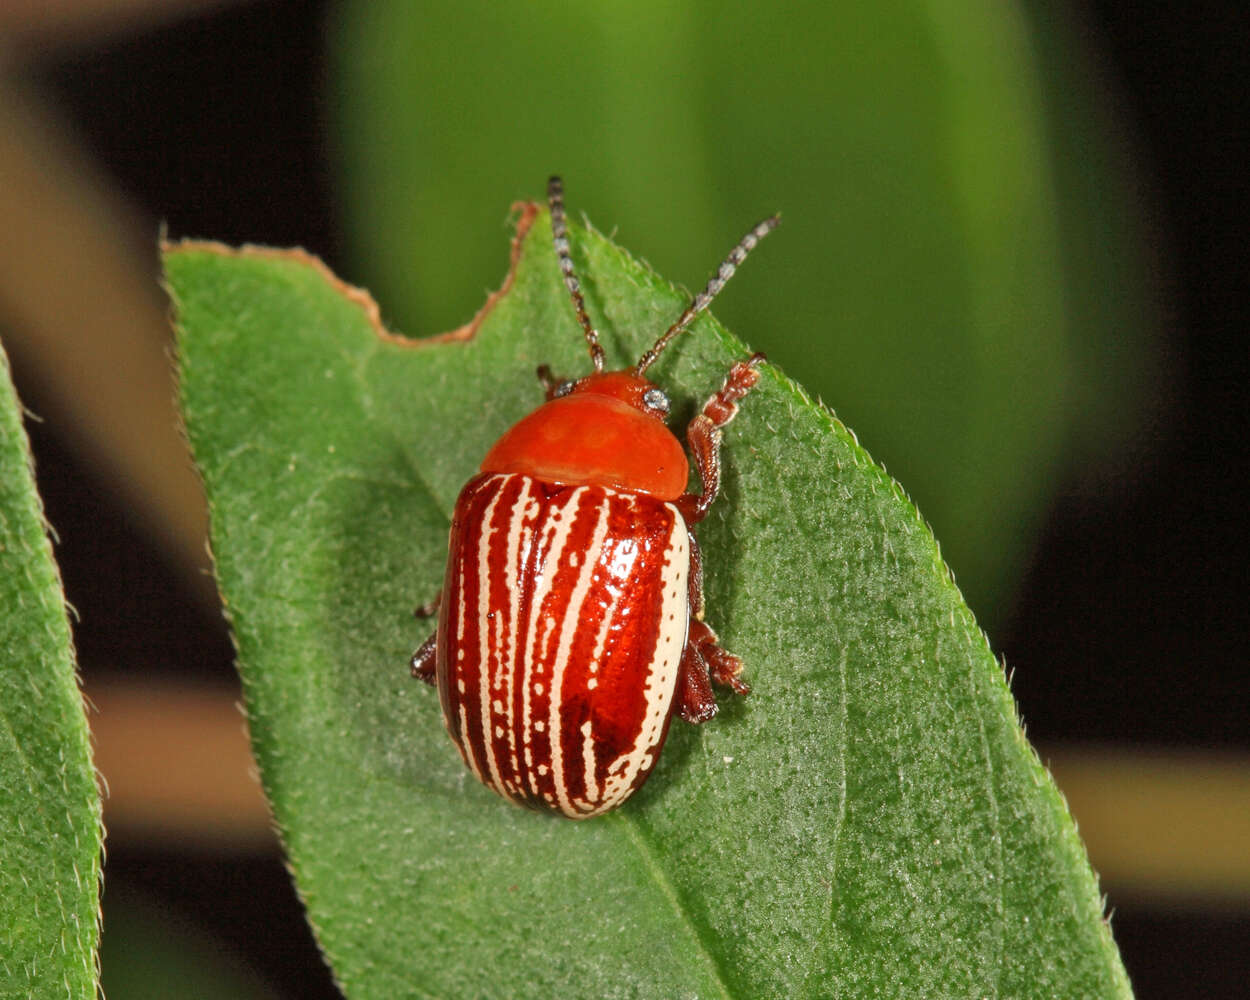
(726, 669)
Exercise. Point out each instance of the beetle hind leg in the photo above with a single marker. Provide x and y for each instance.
(703, 660)
(695, 700)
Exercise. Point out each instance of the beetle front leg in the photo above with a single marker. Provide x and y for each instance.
(704, 436)
(551, 382)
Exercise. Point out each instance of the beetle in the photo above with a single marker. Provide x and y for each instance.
(570, 623)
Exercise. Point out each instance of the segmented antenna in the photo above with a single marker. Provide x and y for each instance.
(701, 301)
(560, 235)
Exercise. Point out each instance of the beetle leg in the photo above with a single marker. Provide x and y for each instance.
(430, 608)
(704, 436)
(695, 700)
(703, 660)
(423, 660)
(724, 667)
(695, 578)
(547, 379)
(550, 381)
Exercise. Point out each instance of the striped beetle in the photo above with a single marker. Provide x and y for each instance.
(570, 623)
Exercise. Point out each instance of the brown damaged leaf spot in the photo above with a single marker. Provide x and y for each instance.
(528, 212)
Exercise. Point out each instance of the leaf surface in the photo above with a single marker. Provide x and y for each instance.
(50, 835)
(869, 821)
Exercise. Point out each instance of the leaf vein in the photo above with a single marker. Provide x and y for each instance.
(669, 892)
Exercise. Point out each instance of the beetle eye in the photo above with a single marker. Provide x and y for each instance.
(656, 400)
(563, 389)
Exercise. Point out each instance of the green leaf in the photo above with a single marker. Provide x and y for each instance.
(942, 273)
(50, 835)
(869, 821)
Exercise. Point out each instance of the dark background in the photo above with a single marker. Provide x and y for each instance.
(1147, 645)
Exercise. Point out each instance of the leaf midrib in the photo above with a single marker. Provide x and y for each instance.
(624, 820)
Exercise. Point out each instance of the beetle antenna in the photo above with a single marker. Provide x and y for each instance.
(560, 235)
(701, 301)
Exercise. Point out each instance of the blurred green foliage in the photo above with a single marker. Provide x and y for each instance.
(152, 953)
(971, 303)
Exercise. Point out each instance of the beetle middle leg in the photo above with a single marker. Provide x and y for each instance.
(422, 661)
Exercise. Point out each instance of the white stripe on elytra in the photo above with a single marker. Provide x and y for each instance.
(662, 674)
(458, 695)
(529, 653)
(483, 636)
(593, 795)
(572, 621)
(522, 652)
(557, 523)
(588, 762)
(512, 582)
(527, 650)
